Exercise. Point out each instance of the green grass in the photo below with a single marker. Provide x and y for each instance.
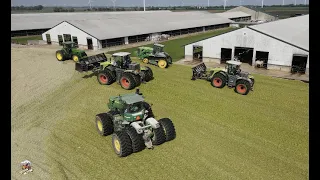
(220, 134)
(175, 47)
(24, 39)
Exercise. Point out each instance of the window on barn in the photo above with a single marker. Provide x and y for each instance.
(67, 37)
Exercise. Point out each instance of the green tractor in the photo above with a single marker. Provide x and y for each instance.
(231, 76)
(133, 125)
(118, 69)
(155, 56)
(69, 51)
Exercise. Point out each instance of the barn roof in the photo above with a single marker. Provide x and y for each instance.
(49, 20)
(293, 30)
(235, 14)
(123, 25)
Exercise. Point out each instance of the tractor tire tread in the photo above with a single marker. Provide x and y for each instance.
(125, 143)
(107, 123)
(169, 128)
(136, 140)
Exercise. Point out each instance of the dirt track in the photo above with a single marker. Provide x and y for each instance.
(35, 74)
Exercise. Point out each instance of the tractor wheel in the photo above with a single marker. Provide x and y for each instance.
(104, 124)
(60, 56)
(75, 58)
(105, 77)
(148, 107)
(162, 63)
(145, 60)
(169, 129)
(137, 79)
(127, 81)
(136, 140)
(218, 80)
(242, 87)
(252, 81)
(148, 74)
(159, 136)
(121, 143)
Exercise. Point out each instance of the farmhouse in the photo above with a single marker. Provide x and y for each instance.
(281, 45)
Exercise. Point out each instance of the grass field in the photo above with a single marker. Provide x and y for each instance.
(220, 134)
(24, 39)
(175, 47)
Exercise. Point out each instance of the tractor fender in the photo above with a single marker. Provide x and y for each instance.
(137, 127)
(213, 72)
(110, 67)
(105, 64)
(153, 122)
(243, 78)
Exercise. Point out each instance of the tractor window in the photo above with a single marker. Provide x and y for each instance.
(135, 107)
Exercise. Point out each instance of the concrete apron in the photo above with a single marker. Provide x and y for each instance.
(251, 69)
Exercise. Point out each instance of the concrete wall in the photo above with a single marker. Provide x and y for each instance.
(66, 28)
(280, 53)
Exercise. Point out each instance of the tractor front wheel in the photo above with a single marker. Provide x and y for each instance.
(121, 143)
(60, 55)
(159, 136)
(105, 77)
(136, 140)
(242, 87)
(218, 80)
(127, 81)
(169, 129)
(75, 58)
(162, 63)
(145, 60)
(104, 124)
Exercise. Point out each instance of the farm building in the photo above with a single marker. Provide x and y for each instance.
(38, 23)
(255, 15)
(236, 16)
(108, 30)
(281, 45)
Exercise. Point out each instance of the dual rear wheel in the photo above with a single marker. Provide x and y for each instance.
(128, 141)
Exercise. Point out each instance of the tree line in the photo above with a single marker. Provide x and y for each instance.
(73, 9)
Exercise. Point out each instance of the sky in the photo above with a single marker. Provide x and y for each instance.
(148, 2)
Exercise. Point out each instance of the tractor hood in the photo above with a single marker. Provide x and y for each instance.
(216, 69)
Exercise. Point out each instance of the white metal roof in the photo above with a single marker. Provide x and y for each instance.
(49, 20)
(124, 25)
(235, 14)
(234, 62)
(121, 54)
(293, 30)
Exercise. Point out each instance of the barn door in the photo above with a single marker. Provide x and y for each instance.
(48, 38)
(75, 40)
(60, 40)
(89, 42)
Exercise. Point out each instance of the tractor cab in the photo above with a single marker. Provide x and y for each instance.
(157, 48)
(233, 67)
(121, 59)
(131, 106)
(68, 46)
